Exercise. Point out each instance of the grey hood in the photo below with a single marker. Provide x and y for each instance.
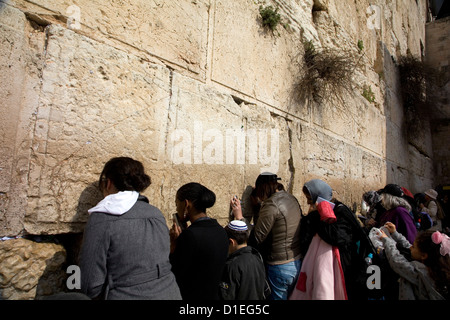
(319, 188)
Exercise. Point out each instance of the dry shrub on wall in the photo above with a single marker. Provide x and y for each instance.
(324, 74)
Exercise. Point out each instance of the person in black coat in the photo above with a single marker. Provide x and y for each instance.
(244, 277)
(198, 252)
(346, 234)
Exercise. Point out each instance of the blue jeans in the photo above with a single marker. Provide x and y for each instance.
(282, 279)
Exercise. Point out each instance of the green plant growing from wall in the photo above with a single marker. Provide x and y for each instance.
(360, 51)
(324, 73)
(368, 94)
(360, 45)
(270, 17)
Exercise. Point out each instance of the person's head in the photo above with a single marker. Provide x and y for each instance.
(123, 174)
(422, 246)
(429, 246)
(193, 199)
(389, 201)
(371, 198)
(392, 196)
(266, 185)
(431, 194)
(432, 248)
(317, 188)
(419, 198)
(237, 232)
(392, 189)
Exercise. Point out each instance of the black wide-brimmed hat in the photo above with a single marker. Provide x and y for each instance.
(393, 189)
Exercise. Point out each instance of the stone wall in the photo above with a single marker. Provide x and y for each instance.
(438, 55)
(170, 83)
(31, 270)
(197, 91)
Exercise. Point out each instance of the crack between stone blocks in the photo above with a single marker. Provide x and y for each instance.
(163, 152)
(419, 150)
(290, 161)
(33, 153)
(166, 133)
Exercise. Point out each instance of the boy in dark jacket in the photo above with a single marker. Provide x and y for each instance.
(244, 277)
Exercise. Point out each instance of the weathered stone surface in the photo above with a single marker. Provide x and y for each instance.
(30, 270)
(20, 64)
(80, 126)
(197, 91)
(171, 84)
(267, 63)
(225, 154)
(438, 56)
(175, 32)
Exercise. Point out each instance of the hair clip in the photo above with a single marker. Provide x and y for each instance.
(443, 240)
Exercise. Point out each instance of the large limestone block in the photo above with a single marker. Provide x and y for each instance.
(370, 128)
(97, 102)
(421, 165)
(252, 60)
(388, 20)
(363, 172)
(347, 168)
(373, 175)
(213, 140)
(336, 118)
(324, 156)
(396, 145)
(13, 42)
(30, 270)
(174, 31)
(20, 65)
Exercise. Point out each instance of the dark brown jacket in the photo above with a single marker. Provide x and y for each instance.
(278, 228)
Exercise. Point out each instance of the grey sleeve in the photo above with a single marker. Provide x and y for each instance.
(401, 240)
(93, 256)
(398, 262)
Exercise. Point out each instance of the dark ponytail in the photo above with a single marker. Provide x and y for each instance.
(126, 174)
(200, 196)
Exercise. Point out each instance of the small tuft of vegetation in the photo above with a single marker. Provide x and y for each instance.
(368, 94)
(270, 17)
(360, 45)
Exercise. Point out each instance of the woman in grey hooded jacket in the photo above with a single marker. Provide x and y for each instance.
(125, 250)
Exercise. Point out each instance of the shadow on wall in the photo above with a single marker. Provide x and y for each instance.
(404, 127)
(385, 66)
(53, 278)
(52, 283)
(89, 197)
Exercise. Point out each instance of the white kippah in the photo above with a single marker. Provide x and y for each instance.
(238, 225)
